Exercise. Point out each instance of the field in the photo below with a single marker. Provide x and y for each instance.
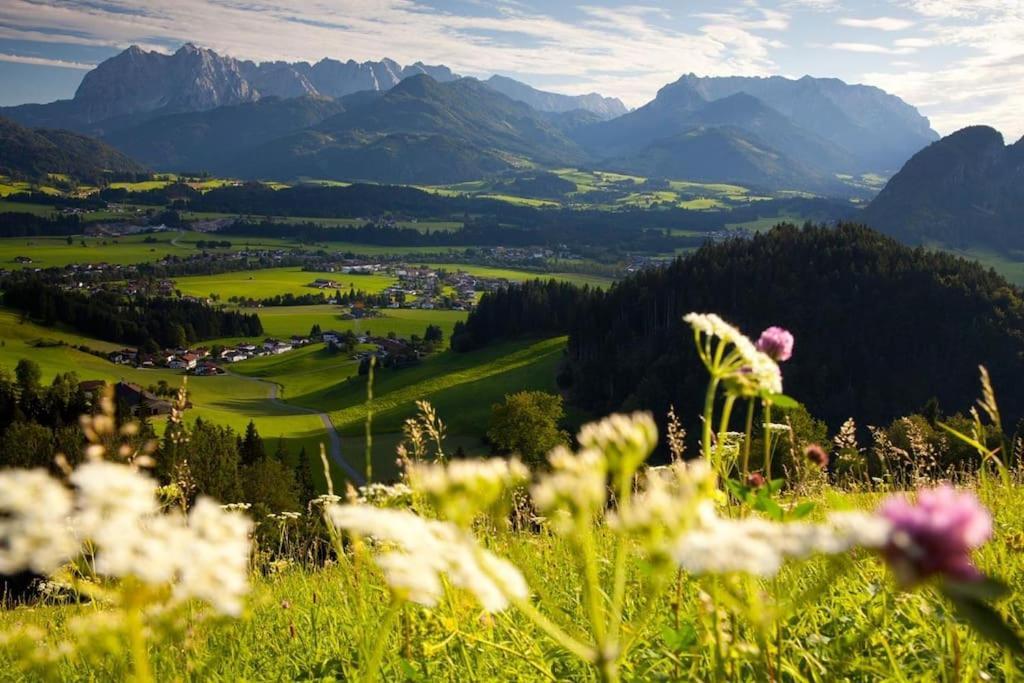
(56, 251)
(1008, 266)
(609, 191)
(284, 321)
(285, 395)
(272, 281)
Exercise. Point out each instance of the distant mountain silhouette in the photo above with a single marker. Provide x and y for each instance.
(963, 191)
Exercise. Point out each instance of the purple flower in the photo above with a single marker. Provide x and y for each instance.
(776, 343)
(816, 455)
(936, 535)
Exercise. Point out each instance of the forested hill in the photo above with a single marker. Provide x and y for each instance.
(34, 153)
(880, 328)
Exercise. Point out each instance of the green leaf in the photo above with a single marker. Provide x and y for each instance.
(679, 639)
(776, 485)
(737, 489)
(984, 619)
(782, 401)
(987, 589)
(801, 510)
(770, 508)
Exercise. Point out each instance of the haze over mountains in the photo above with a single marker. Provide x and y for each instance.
(383, 122)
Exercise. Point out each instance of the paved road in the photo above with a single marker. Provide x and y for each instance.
(333, 444)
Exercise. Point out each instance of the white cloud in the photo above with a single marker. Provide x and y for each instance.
(44, 61)
(879, 24)
(628, 51)
(982, 83)
(914, 42)
(872, 48)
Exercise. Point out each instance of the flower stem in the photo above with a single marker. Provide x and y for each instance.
(767, 436)
(746, 441)
(141, 672)
(555, 632)
(709, 409)
(730, 401)
(372, 668)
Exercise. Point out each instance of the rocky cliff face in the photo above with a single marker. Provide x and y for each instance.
(196, 79)
(192, 79)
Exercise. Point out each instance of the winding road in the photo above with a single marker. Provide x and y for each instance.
(333, 438)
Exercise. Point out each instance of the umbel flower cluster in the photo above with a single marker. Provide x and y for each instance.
(109, 514)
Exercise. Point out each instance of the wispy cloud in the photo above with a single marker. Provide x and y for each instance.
(44, 61)
(628, 50)
(872, 48)
(878, 23)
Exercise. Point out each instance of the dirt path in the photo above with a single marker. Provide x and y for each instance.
(333, 444)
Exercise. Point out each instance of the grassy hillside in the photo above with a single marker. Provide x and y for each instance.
(228, 400)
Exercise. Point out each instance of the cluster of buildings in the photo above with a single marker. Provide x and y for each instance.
(202, 361)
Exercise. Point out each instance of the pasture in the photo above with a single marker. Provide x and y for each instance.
(47, 252)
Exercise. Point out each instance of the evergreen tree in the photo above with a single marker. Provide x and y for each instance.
(304, 478)
(251, 449)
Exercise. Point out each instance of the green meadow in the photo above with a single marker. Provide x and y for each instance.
(1010, 266)
(48, 252)
(269, 282)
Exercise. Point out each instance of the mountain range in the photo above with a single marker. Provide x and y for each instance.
(380, 121)
(962, 191)
(813, 129)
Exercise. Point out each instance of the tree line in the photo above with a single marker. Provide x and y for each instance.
(151, 323)
(881, 328)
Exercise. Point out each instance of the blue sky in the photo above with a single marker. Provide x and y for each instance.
(959, 61)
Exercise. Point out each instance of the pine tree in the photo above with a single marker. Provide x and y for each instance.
(304, 478)
(251, 449)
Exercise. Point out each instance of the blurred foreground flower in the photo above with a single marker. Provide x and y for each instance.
(776, 343)
(415, 553)
(935, 535)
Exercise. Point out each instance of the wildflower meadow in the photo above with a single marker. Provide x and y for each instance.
(596, 565)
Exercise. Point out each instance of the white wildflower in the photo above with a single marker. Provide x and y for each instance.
(325, 499)
(625, 440)
(747, 370)
(417, 552)
(147, 548)
(759, 547)
(462, 489)
(236, 507)
(108, 494)
(668, 502)
(574, 490)
(385, 495)
(215, 557)
(34, 532)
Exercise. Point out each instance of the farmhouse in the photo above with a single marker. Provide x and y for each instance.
(139, 401)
